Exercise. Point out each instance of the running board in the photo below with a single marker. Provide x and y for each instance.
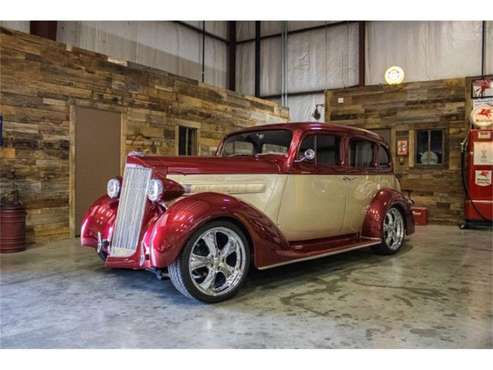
(358, 245)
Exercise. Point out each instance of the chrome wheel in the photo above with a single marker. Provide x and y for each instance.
(393, 229)
(217, 261)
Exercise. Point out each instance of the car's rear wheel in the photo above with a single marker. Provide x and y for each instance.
(394, 232)
(213, 264)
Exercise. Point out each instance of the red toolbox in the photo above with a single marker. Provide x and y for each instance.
(420, 215)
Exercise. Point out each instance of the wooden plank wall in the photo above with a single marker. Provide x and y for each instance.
(403, 109)
(40, 80)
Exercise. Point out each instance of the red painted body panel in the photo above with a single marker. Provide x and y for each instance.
(481, 195)
(165, 232)
(182, 218)
(383, 200)
(99, 218)
(213, 165)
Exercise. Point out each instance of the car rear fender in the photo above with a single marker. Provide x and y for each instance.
(173, 229)
(383, 200)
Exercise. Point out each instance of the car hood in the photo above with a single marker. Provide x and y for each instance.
(211, 165)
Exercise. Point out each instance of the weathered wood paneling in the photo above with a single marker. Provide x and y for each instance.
(40, 80)
(403, 109)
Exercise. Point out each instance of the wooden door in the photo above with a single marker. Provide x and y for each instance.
(97, 156)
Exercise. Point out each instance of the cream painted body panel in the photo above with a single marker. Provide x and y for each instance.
(313, 207)
(263, 191)
(361, 189)
(302, 206)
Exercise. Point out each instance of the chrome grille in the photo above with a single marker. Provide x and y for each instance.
(130, 211)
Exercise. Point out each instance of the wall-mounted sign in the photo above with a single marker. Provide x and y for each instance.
(394, 75)
(402, 147)
(482, 116)
(482, 88)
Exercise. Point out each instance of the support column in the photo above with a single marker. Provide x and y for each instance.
(257, 58)
(232, 55)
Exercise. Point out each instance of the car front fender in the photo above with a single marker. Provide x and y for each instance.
(383, 200)
(99, 218)
(173, 229)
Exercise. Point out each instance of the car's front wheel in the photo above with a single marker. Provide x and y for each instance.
(394, 232)
(213, 264)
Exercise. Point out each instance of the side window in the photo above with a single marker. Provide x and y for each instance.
(328, 152)
(429, 147)
(187, 141)
(360, 153)
(383, 157)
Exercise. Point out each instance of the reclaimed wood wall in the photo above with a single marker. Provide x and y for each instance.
(40, 80)
(403, 109)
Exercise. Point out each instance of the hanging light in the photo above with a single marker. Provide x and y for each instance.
(316, 114)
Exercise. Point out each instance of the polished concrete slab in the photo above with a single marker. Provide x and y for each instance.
(436, 293)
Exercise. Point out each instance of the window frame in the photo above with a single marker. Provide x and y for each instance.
(314, 165)
(444, 162)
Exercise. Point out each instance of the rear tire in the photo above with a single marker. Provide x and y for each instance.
(213, 264)
(393, 232)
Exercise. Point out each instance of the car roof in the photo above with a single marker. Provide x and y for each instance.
(315, 126)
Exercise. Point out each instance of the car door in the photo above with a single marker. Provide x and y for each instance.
(362, 182)
(314, 201)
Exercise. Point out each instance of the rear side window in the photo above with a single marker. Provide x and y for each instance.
(361, 153)
(328, 153)
(383, 157)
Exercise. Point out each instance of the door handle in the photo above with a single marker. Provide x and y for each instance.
(348, 178)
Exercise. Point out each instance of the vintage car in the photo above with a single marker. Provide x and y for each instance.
(272, 195)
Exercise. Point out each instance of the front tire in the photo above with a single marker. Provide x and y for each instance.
(213, 264)
(394, 232)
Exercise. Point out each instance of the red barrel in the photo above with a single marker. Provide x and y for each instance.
(12, 229)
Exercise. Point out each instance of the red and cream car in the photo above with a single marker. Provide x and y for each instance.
(271, 196)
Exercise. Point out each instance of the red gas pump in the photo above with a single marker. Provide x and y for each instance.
(477, 169)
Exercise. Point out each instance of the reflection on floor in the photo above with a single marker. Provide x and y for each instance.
(437, 292)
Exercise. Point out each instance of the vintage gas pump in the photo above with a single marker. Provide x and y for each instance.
(477, 169)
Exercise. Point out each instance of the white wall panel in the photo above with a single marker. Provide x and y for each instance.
(325, 58)
(302, 107)
(270, 28)
(164, 45)
(218, 28)
(425, 50)
(270, 66)
(23, 26)
(245, 30)
(216, 62)
(245, 68)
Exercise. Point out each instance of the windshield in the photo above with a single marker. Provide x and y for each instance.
(257, 142)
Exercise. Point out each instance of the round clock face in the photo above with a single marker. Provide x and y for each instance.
(394, 75)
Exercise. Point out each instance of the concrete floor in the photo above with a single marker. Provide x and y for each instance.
(436, 293)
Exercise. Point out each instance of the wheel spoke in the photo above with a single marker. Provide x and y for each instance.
(226, 270)
(197, 261)
(211, 242)
(209, 280)
(228, 249)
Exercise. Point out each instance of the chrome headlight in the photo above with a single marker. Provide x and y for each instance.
(155, 190)
(113, 188)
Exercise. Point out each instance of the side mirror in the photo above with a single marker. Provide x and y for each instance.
(308, 155)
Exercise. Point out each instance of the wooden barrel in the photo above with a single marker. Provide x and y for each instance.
(12, 229)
